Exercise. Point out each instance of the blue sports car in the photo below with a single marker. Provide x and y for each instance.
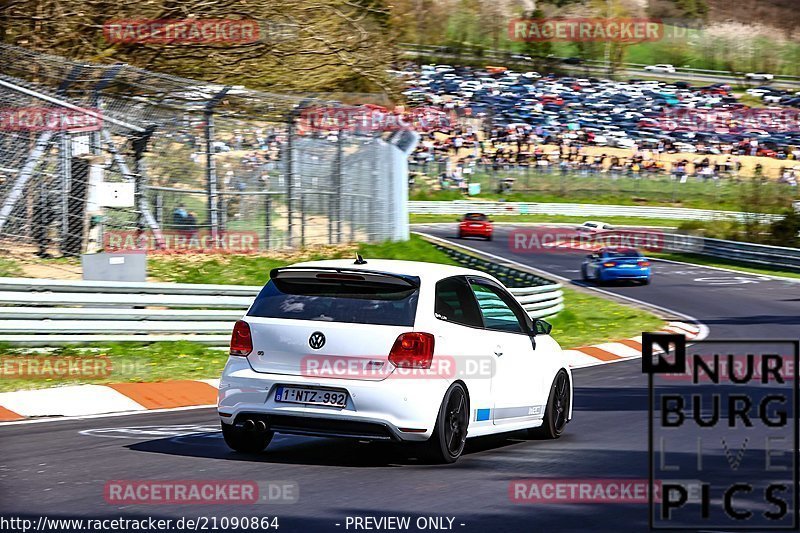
(612, 264)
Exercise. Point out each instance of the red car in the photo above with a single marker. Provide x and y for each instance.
(475, 225)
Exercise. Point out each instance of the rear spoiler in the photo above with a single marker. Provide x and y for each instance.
(411, 281)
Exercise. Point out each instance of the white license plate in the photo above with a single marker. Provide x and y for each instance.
(312, 396)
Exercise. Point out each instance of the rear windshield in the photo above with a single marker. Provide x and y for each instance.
(475, 216)
(337, 301)
(623, 253)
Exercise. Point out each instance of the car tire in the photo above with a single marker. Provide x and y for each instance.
(488, 237)
(646, 281)
(557, 411)
(584, 275)
(450, 432)
(240, 440)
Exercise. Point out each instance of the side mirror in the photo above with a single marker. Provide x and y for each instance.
(542, 327)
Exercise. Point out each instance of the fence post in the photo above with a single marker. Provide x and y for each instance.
(212, 185)
(105, 81)
(302, 219)
(372, 217)
(337, 185)
(268, 220)
(139, 145)
(65, 169)
(160, 208)
(289, 172)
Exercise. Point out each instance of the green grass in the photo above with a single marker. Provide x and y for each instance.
(129, 362)
(9, 268)
(254, 269)
(712, 261)
(589, 319)
(656, 190)
(622, 221)
(228, 270)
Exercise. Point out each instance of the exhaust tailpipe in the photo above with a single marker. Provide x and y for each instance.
(249, 425)
(261, 426)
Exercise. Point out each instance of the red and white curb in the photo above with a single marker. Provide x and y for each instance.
(129, 398)
(88, 400)
(622, 350)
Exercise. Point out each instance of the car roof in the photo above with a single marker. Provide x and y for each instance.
(393, 266)
(623, 249)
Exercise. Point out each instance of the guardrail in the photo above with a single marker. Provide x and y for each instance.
(739, 252)
(49, 312)
(460, 207)
(539, 296)
(507, 56)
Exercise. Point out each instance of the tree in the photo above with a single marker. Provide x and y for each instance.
(302, 45)
(784, 231)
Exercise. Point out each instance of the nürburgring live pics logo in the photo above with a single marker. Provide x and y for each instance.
(723, 433)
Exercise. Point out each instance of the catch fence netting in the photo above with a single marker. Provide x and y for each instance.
(112, 157)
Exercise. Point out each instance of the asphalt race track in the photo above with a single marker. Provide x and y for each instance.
(60, 468)
(732, 305)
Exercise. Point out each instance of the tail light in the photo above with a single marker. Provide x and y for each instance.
(609, 264)
(412, 350)
(643, 263)
(241, 340)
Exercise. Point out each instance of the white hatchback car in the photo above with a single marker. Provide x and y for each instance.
(398, 351)
(664, 68)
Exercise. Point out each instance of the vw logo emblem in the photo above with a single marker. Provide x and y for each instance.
(316, 340)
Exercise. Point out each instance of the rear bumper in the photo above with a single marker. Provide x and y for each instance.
(322, 427)
(475, 232)
(375, 410)
(608, 274)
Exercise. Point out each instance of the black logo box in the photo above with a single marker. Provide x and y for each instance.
(663, 343)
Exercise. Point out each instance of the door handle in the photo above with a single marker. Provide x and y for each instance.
(498, 351)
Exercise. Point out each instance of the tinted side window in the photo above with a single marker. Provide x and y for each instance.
(497, 314)
(455, 303)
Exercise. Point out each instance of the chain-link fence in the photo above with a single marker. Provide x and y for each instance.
(95, 157)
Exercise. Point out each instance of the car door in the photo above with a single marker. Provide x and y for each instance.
(516, 384)
(461, 344)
